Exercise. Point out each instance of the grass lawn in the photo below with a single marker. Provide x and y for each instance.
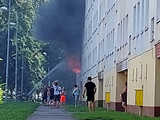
(101, 114)
(16, 110)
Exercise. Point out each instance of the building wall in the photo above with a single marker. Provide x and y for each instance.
(122, 34)
(157, 83)
(157, 40)
(110, 85)
(142, 76)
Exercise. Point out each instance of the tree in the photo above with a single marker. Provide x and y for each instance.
(28, 46)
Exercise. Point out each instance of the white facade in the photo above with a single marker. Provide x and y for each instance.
(116, 30)
(99, 39)
(121, 33)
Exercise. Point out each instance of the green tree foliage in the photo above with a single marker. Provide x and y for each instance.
(28, 47)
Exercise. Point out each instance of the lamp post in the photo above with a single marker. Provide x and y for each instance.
(22, 76)
(16, 62)
(8, 41)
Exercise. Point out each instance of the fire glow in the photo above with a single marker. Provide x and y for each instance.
(74, 64)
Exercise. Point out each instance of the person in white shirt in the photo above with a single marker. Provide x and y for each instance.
(76, 93)
(57, 93)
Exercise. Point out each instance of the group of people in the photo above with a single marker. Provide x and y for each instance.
(54, 95)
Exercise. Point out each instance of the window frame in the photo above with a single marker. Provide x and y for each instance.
(158, 9)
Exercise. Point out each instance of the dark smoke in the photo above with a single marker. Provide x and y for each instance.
(62, 21)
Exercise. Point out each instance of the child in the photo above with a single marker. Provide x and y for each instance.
(63, 99)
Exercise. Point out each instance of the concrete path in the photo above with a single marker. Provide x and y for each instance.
(50, 113)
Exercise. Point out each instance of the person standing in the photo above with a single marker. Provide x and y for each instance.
(123, 96)
(76, 93)
(52, 95)
(44, 95)
(48, 95)
(90, 90)
(57, 94)
(63, 97)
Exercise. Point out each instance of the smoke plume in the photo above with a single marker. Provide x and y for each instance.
(62, 21)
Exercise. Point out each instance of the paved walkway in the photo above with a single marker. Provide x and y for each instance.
(50, 113)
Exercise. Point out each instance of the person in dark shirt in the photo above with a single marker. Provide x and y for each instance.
(90, 90)
(44, 95)
(123, 96)
(51, 95)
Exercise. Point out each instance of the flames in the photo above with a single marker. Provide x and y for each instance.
(74, 64)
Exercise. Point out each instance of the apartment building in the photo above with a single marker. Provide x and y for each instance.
(121, 44)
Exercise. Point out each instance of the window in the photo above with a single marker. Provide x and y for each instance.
(146, 12)
(95, 19)
(109, 40)
(129, 44)
(99, 51)
(86, 5)
(138, 18)
(88, 62)
(152, 28)
(110, 4)
(90, 29)
(103, 46)
(100, 10)
(118, 35)
(113, 37)
(103, 8)
(134, 20)
(121, 33)
(158, 10)
(123, 30)
(93, 57)
(126, 29)
(96, 55)
(89, 4)
(142, 15)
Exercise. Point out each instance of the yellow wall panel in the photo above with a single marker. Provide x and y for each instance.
(108, 96)
(139, 97)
